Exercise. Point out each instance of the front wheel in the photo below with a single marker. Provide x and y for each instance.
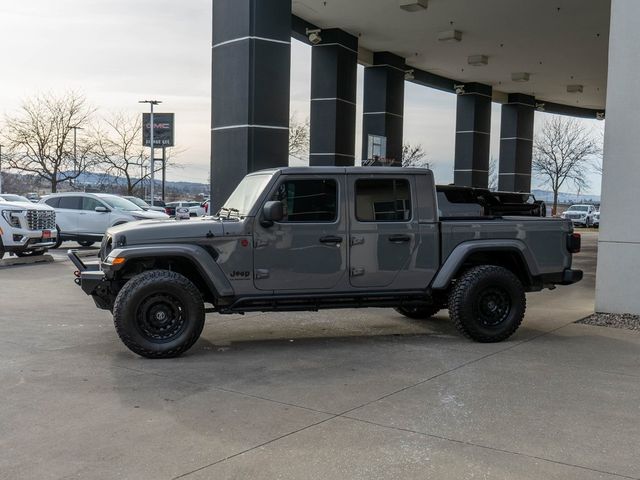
(487, 303)
(159, 314)
(85, 243)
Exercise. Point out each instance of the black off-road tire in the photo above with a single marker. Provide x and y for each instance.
(58, 239)
(143, 305)
(85, 243)
(487, 303)
(418, 313)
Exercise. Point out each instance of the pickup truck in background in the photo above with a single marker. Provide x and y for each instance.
(310, 238)
(26, 229)
(581, 215)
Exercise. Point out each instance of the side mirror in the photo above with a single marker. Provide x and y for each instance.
(273, 211)
(102, 210)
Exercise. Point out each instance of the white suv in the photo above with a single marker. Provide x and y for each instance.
(25, 228)
(580, 214)
(84, 217)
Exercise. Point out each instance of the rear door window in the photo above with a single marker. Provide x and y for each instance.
(383, 200)
(71, 203)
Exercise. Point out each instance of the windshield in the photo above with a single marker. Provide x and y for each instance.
(14, 198)
(138, 201)
(120, 203)
(580, 208)
(246, 194)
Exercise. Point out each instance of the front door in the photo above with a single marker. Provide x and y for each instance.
(307, 250)
(384, 230)
(91, 222)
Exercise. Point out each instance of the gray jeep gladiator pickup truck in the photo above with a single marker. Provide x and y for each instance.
(309, 238)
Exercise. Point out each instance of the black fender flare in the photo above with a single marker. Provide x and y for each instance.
(210, 271)
(465, 249)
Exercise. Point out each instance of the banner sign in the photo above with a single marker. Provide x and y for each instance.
(162, 129)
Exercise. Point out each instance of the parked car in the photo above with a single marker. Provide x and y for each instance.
(26, 229)
(84, 217)
(195, 209)
(581, 215)
(144, 205)
(307, 238)
(596, 219)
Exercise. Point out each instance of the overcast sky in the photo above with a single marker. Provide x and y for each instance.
(117, 52)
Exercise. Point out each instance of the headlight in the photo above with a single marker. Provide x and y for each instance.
(13, 217)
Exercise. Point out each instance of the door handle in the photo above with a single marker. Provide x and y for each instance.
(331, 239)
(399, 238)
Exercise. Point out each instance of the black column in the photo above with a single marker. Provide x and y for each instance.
(383, 106)
(516, 143)
(250, 90)
(473, 126)
(333, 99)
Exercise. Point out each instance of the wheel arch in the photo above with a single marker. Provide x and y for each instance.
(191, 261)
(511, 254)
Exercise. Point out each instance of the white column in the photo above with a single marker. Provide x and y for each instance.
(618, 274)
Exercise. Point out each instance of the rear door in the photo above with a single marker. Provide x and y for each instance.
(67, 213)
(384, 231)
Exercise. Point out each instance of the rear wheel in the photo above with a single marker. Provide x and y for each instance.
(85, 243)
(487, 303)
(159, 314)
(418, 313)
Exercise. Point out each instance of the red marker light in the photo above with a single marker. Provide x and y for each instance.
(244, 242)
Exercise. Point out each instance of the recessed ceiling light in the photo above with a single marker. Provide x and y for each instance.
(575, 88)
(520, 77)
(413, 5)
(450, 36)
(478, 60)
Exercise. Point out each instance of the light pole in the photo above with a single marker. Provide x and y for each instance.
(151, 103)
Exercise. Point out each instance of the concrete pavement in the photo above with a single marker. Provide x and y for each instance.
(338, 394)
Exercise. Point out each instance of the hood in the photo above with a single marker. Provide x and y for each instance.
(25, 206)
(150, 214)
(169, 231)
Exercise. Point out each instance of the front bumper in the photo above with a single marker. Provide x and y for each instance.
(21, 240)
(91, 279)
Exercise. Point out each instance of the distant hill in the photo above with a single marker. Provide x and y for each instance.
(563, 197)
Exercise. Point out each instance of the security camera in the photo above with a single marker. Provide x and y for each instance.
(409, 74)
(540, 107)
(314, 35)
(599, 115)
(459, 89)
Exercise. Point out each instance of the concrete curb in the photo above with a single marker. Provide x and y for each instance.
(12, 261)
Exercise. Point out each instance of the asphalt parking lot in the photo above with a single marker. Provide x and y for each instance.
(346, 394)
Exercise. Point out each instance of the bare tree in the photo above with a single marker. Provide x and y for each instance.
(40, 137)
(562, 153)
(118, 146)
(298, 138)
(414, 156)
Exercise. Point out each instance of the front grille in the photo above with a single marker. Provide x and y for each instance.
(573, 216)
(41, 219)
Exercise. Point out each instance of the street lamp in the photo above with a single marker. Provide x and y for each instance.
(151, 104)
